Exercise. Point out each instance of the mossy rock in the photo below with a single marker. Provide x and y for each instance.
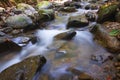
(107, 12)
(43, 5)
(46, 15)
(19, 21)
(24, 70)
(103, 37)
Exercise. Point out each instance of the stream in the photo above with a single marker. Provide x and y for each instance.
(62, 55)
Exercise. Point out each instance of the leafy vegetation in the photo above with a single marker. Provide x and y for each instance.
(114, 32)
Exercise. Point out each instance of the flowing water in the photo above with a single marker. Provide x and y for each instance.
(62, 55)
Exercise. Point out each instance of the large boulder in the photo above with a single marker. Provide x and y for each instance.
(44, 5)
(19, 21)
(46, 15)
(107, 12)
(8, 45)
(24, 70)
(106, 38)
(78, 21)
(27, 9)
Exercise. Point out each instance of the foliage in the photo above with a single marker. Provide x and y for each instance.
(114, 32)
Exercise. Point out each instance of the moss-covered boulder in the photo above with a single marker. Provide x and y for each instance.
(78, 21)
(24, 70)
(19, 21)
(106, 38)
(46, 15)
(44, 5)
(26, 8)
(117, 17)
(107, 12)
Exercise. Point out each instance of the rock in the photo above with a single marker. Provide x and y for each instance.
(46, 15)
(44, 5)
(67, 9)
(81, 75)
(107, 12)
(19, 21)
(2, 9)
(111, 26)
(66, 35)
(118, 57)
(78, 21)
(8, 45)
(91, 6)
(15, 32)
(117, 17)
(91, 16)
(21, 40)
(87, 7)
(24, 70)
(34, 40)
(72, 4)
(7, 29)
(2, 34)
(94, 6)
(102, 37)
(27, 9)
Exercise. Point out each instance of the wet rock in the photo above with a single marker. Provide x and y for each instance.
(27, 9)
(103, 37)
(91, 16)
(78, 21)
(67, 9)
(34, 40)
(87, 7)
(7, 29)
(19, 21)
(72, 4)
(66, 35)
(91, 6)
(107, 12)
(44, 5)
(24, 70)
(8, 45)
(2, 9)
(46, 15)
(15, 32)
(2, 34)
(117, 17)
(21, 40)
